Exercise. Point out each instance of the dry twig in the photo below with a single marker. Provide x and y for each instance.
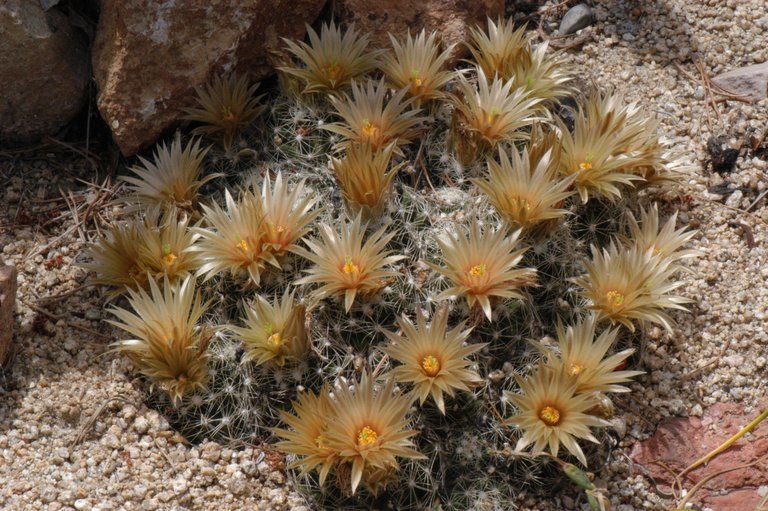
(749, 235)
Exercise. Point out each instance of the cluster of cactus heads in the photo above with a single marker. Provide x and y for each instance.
(371, 288)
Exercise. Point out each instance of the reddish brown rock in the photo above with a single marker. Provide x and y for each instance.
(43, 71)
(149, 55)
(681, 441)
(451, 18)
(7, 303)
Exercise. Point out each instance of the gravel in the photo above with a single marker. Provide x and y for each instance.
(129, 458)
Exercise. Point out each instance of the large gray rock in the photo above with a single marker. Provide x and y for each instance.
(43, 71)
(7, 304)
(577, 17)
(452, 19)
(149, 55)
(750, 81)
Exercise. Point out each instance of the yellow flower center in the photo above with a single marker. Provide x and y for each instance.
(366, 437)
(416, 80)
(350, 268)
(585, 165)
(477, 270)
(369, 130)
(550, 415)
(242, 245)
(275, 339)
(575, 369)
(431, 365)
(169, 259)
(615, 298)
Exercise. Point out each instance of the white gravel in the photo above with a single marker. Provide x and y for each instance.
(130, 458)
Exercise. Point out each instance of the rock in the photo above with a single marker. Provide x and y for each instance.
(734, 199)
(179, 485)
(140, 491)
(149, 55)
(619, 425)
(141, 425)
(577, 17)
(7, 304)
(43, 71)
(452, 19)
(750, 81)
(110, 441)
(48, 4)
(679, 442)
(743, 498)
(211, 451)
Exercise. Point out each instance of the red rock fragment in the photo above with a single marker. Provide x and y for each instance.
(679, 442)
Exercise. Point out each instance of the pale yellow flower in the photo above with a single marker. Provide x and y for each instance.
(165, 243)
(543, 74)
(588, 155)
(582, 355)
(287, 215)
(365, 178)
(551, 413)
(309, 423)
(487, 114)
(483, 264)
(664, 240)
(331, 60)
(369, 429)
(172, 180)
(170, 347)
(225, 106)
(234, 240)
(417, 65)
(526, 192)
(117, 258)
(506, 52)
(274, 332)
(611, 144)
(345, 265)
(432, 358)
(368, 119)
(497, 49)
(623, 284)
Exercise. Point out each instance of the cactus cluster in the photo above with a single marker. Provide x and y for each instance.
(365, 264)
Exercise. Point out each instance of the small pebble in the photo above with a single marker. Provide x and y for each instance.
(576, 18)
